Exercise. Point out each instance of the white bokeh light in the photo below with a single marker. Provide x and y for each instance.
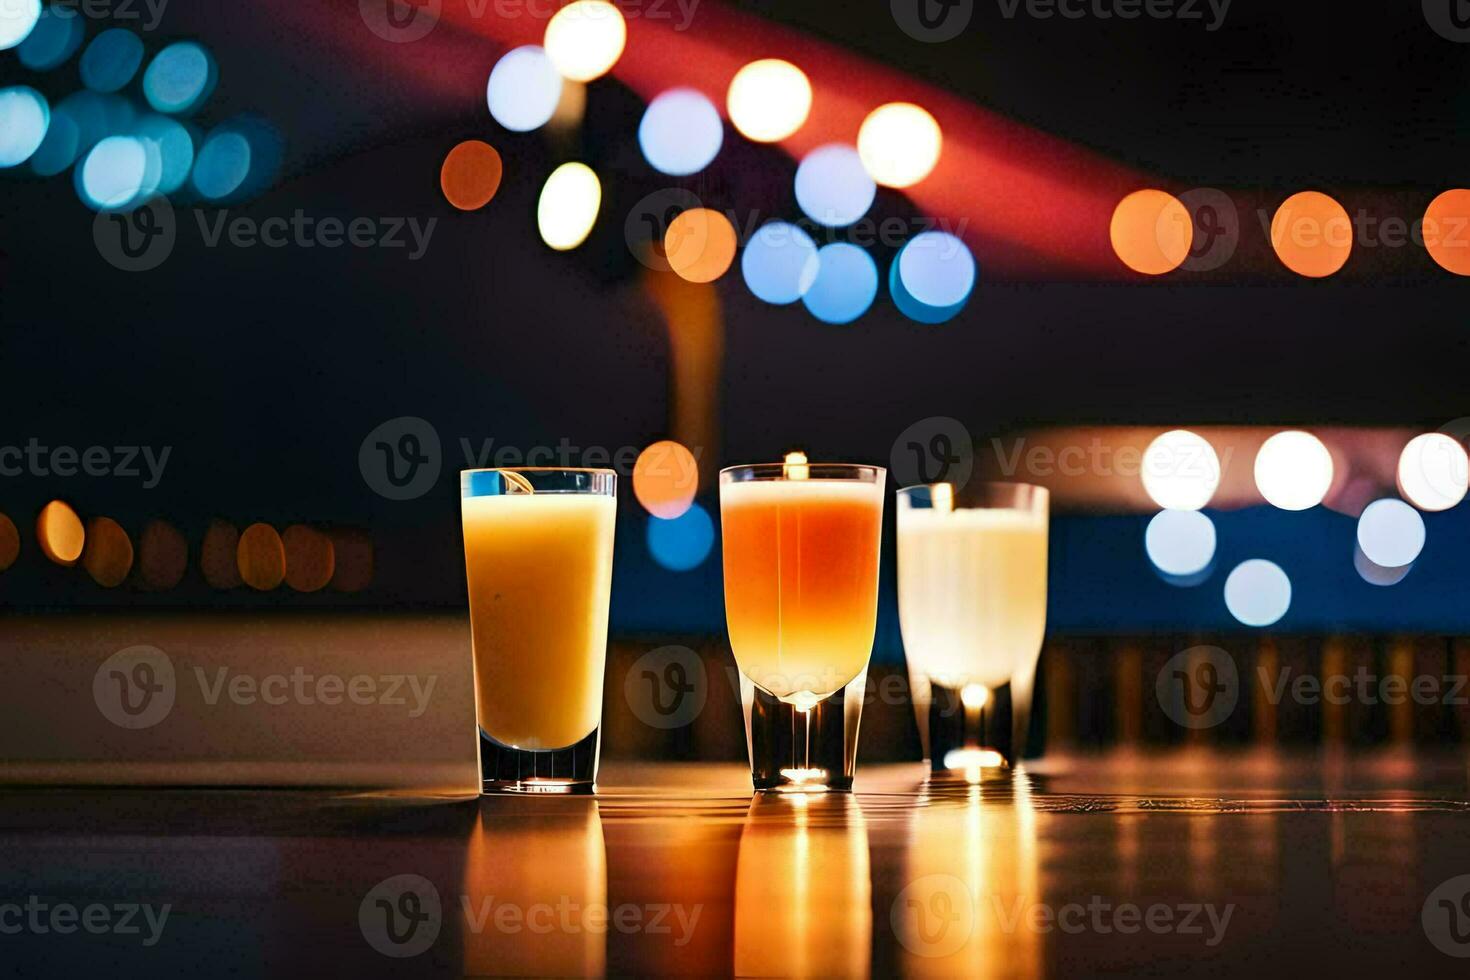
(568, 206)
(1180, 542)
(524, 89)
(17, 20)
(1294, 470)
(769, 100)
(899, 144)
(1258, 592)
(585, 39)
(1434, 471)
(1181, 470)
(1391, 533)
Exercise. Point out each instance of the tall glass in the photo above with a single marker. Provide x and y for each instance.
(538, 547)
(972, 605)
(801, 546)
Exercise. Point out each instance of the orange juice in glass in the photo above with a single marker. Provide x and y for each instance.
(801, 548)
(538, 561)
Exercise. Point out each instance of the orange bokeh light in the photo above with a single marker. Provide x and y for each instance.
(665, 479)
(1151, 232)
(59, 532)
(1447, 230)
(471, 175)
(1312, 234)
(700, 245)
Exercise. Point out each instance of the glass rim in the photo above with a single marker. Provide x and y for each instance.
(782, 467)
(982, 483)
(540, 469)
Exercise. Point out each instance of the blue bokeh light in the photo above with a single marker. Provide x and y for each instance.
(932, 278)
(25, 118)
(111, 60)
(1391, 533)
(524, 89)
(683, 543)
(114, 174)
(833, 187)
(780, 263)
(1258, 592)
(681, 132)
(236, 160)
(1181, 545)
(56, 38)
(78, 123)
(846, 284)
(180, 78)
(17, 19)
(175, 147)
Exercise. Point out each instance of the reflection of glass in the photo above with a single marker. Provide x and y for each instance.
(538, 558)
(803, 892)
(801, 545)
(972, 599)
(535, 896)
(967, 900)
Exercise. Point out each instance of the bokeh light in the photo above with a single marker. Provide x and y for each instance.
(683, 543)
(59, 532)
(237, 159)
(1375, 574)
(568, 206)
(665, 479)
(524, 89)
(114, 174)
(1294, 470)
(681, 132)
(1151, 232)
(1312, 234)
(832, 186)
(769, 100)
(471, 175)
(1258, 592)
(1434, 471)
(25, 118)
(17, 19)
(584, 39)
(111, 60)
(700, 245)
(779, 263)
(846, 284)
(1445, 222)
(1180, 543)
(180, 78)
(175, 146)
(899, 144)
(56, 37)
(1391, 533)
(937, 269)
(1180, 470)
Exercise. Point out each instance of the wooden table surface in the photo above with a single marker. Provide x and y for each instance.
(1191, 863)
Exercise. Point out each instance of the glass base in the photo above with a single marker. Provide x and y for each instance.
(966, 730)
(568, 771)
(803, 751)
